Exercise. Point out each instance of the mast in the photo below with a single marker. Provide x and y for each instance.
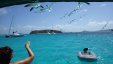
(11, 24)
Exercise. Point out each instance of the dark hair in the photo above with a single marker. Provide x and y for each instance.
(85, 49)
(5, 55)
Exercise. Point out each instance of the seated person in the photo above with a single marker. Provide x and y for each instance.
(86, 51)
(6, 54)
(15, 33)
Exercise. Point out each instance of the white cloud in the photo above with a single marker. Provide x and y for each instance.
(103, 5)
(69, 27)
(3, 11)
(29, 28)
(94, 25)
(90, 26)
(25, 29)
(74, 27)
(97, 25)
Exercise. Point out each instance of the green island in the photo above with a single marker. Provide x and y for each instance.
(45, 31)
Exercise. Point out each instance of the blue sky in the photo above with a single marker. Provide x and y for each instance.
(89, 17)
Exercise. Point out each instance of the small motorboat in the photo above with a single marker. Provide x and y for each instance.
(87, 56)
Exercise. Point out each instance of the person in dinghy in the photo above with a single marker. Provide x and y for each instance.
(85, 51)
(87, 55)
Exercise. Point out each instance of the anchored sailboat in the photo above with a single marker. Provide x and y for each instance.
(15, 34)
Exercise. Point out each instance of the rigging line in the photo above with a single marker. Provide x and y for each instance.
(105, 25)
(76, 9)
(64, 15)
(72, 21)
(11, 23)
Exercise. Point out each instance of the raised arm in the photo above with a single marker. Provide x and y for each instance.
(30, 58)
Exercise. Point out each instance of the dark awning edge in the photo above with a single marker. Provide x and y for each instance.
(6, 3)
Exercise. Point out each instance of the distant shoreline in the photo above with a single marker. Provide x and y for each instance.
(60, 32)
(57, 31)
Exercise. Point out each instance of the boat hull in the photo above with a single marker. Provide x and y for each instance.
(9, 36)
(85, 57)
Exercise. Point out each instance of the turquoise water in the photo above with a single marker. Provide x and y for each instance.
(62, 48)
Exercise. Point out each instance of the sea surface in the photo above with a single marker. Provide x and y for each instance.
(62, 48)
